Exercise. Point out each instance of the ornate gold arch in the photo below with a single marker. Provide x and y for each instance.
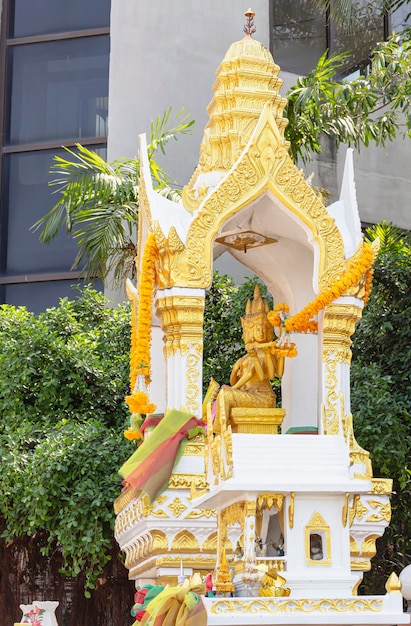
(263, 166)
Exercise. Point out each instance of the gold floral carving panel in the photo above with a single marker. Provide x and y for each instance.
(339, 326)
(272, 606)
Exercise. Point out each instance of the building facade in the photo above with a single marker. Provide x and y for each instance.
(97, 72)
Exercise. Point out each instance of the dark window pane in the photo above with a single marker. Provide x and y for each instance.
(298, 35)
(26, 198)
(359, 37)
(39, 17)
(38, 297)
(58, 90)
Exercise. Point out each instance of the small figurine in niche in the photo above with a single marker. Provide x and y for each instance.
(316, 547)
(280, 547)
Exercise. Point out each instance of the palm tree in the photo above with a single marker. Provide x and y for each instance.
(98, 201)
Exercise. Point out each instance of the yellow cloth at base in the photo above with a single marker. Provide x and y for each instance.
(177, 606)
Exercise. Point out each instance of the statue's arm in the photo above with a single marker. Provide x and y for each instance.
(237, 383)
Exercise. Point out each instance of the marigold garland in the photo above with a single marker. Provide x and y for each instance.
(140, 356)
(303, 321)
(140, 360)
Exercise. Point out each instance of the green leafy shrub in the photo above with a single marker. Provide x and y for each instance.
(62, 388)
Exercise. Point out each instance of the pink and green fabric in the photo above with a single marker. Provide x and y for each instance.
(150, 467)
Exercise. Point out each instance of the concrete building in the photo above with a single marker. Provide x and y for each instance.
(83, 74)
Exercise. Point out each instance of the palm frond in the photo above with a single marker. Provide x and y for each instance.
(339, 10)
(392, 238)
(98, 201)
(161, 134)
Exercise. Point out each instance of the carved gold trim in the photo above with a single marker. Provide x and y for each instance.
(194, 449)
(274, 605)
(193, 379)
(393, 584)
(358, 455)
(381, 486)
(331, 424)
(187, 481)
(160, 541)
(234, 513)
(368, 547)
(124, 499)
(203, 563)
(383, 514)
(196, 514)
(177, 507)
(200, 562)
(360, 566)
(338, 327)
(268, 500)
(353, 508)
(181, 319)
(356, 587)
(220, 448)
(211, 543)
(291, 510)
(167, 247)
(345, 510)
(140, 508)
(185, 541)
(251, 508)
(361, 510)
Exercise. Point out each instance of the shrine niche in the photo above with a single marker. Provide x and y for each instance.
(276, 508)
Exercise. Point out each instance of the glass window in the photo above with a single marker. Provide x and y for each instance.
(39, 17)
(401, 18)
(58, 90)
(26, 198)
(38, 297)
(360, 36)
(298, 35)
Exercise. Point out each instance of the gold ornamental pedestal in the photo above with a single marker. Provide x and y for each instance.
(256, 421)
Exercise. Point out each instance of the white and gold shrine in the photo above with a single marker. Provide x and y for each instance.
(282, 500)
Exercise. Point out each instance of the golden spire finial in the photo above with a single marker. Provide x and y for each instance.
(249, 28)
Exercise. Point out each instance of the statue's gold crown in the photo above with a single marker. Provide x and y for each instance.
(256, 311)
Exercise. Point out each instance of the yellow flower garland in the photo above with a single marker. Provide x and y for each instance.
(140, 357)
(303, 322)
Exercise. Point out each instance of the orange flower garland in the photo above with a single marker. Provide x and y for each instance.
(303, 321)
(140, 361)
(140, 358)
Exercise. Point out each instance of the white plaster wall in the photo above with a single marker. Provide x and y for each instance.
(319, 579)
(165, 54)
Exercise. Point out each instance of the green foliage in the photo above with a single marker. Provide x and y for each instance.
(357, 112)
(62, 410)
(381, 394)
(98, 201)
(223, 344)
